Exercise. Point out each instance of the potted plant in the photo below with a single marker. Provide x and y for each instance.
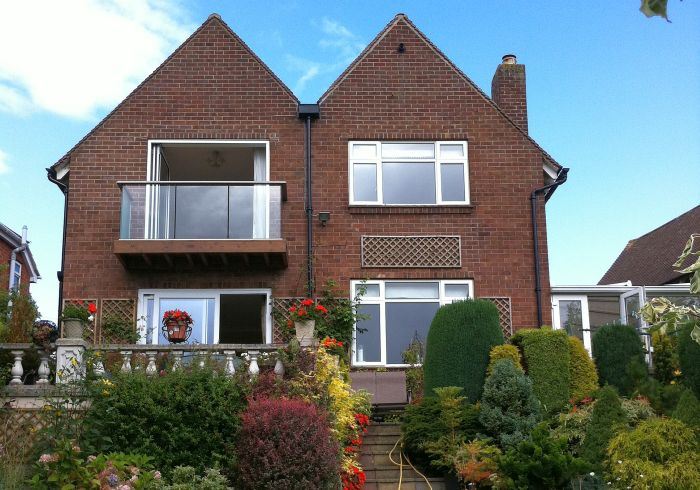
(44, 333)
(335, 348)
(74, 318)
(177, 326)
(304, 314)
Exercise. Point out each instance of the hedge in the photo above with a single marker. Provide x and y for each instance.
(458, 345)
(688, 410)
(607, 417)
(505, 351)
(546, 355)
(615, 346)
(689, 359)
(582, 373)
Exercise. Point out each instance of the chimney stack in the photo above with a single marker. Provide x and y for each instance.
(508, 90)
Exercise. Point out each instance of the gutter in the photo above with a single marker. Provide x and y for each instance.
(307, 112)
(547, 190)
(51, 175)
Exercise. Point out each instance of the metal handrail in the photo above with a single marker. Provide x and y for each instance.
(277, 183)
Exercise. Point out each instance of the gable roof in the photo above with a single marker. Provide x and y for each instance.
(14, 240)
(648, 260)
(404, 18)
(61, 166)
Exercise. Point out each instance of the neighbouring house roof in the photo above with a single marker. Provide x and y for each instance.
(648, 260)
(62, 166)
(14, 240)
(550, 165)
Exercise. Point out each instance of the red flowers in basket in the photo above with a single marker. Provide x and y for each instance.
(177, 316)
(307, 309)
(177, 325)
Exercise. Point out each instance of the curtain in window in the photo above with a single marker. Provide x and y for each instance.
(260, 193)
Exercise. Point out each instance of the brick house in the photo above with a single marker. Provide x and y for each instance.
(194, 193)
(17, 266)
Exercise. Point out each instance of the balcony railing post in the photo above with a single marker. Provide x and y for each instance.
(43, 370)
(279, 368)
(253, 368)
(126, 361)
(17, 370)
(151, 368)
(177, 360)
(230, 368)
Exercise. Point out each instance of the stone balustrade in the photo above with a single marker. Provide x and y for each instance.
(69, 355)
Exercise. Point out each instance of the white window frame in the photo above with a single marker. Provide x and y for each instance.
(16, 276)
(215, 294)
(585, 319)
(151, 218)
(437, 162)
(381, 301)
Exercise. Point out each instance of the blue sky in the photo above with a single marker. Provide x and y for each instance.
(611, 94)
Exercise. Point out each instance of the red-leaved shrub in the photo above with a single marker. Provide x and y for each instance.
(286, 444)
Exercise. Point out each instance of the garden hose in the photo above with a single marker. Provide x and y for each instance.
(400, 465)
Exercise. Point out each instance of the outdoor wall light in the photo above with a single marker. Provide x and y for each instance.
(324, 217)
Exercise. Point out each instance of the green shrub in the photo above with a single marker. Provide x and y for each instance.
(546, 356)
(660, 453)
(541, 461)
(458, 345)
(582, 373)
(75, 312)
(689, 359)
(607, 417)
(185, 418)
(688, 410)
(186, 478)
(665, 357)
(614, 348)
(422, 424)
(572, 425)
(505, 351)
(509, 409)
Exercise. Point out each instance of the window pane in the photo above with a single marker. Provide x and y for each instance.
(240, 214)
(571, 317)
(411, 290)
(151, 323)
(364, 150)
(457, 290)
(408, 183)
(195, 307)
(364, 183)
(452, 175)
(408, 150)
(201, 212)
(371, 290)
(404, 322)
(211, 302)
(367, 335)
(452, 151)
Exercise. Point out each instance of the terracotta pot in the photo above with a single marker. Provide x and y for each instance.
(73, 328)
(177, 331)
(305, 332)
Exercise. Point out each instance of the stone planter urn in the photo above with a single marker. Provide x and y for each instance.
(305, 332)
(73, 328)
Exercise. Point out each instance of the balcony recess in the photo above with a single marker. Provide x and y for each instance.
(201, 225)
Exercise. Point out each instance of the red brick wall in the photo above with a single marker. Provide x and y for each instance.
(214, 89)
(418, 96)
(5, 257)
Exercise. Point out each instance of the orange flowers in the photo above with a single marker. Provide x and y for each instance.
(329, 343)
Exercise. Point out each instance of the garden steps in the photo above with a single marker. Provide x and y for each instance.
(381, 472)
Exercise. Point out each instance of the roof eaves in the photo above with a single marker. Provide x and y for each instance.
(442, 55)
(212, 18)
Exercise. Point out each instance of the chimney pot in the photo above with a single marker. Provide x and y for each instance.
(509, 59)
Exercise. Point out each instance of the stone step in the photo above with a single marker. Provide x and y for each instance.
(370, 439)
(391, 471)
(384, 429)
(377, 459)
(410, 484)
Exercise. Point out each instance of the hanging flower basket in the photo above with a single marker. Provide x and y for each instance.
(177, 326)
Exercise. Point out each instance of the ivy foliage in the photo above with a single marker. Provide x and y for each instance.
(457, 348)
(509, 409)
(615, 347)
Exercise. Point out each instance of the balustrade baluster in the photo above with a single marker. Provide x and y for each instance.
(126, 361)
(253, 369)
(279, 368)
(43, 370)
(151, 368)
(230, 368)
(17, 370)
(177, 359)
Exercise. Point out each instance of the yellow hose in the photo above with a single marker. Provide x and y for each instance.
(400, 465)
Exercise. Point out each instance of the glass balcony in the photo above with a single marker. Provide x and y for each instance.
(201, 210)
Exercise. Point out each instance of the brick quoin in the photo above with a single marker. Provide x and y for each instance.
(213, 87)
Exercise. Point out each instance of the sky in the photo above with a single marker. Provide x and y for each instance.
(612, 95)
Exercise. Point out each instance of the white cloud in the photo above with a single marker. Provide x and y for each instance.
(73, 58)
(4, 167)
(343, 46)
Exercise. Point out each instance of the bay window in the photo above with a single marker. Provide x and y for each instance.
(408, 173)
(396, 312)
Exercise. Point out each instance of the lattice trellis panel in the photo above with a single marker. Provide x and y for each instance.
(18, 431)
(411, 251)
(90, 331)
(504, 313)
(121, 309)
(280, 315)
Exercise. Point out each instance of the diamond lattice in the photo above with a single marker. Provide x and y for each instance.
(503, 305)
(411, 251)
(280, 315)
(122, 309)
(18, 432)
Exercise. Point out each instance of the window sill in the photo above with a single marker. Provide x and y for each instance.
(439, 209)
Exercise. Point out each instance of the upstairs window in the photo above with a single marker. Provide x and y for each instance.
(16, 277)
(408, 173)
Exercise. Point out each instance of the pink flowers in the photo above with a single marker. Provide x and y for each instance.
(48, 458)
